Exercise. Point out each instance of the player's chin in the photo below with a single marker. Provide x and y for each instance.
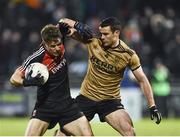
(57, 54)
(105, 44)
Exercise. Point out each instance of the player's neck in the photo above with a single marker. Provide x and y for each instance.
(112, 46)
(116, 44)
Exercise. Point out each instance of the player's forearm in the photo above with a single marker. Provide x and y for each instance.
(146, 88)
(16, 79)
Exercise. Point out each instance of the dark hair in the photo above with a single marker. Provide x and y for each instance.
(50, 32)
(113, 22)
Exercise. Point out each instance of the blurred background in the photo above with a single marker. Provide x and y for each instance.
(150, 27)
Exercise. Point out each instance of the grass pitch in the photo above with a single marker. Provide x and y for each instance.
(144, 127)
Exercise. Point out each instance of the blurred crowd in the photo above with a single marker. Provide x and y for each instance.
(152, 31)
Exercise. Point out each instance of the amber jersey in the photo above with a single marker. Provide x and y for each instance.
(106, 68)
(56, 89)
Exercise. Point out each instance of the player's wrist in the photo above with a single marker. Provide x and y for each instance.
(152, 109)
(25, 83)
(152, 106)
(79, 26)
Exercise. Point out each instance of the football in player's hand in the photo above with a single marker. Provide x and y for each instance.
(37, 69)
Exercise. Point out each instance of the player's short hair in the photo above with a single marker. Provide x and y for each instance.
(50, 32)
(113, 22)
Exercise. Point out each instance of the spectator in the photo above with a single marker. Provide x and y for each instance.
(161, 86)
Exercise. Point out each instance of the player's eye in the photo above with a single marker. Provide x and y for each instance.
(105, 34)
(54, 45)
(60, 43)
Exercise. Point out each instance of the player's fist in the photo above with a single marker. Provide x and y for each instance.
(64, 28)
(155, 114)
(67, 21)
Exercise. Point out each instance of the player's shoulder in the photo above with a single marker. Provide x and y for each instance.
(36, 56)
(125, 48)
(37, 53)
(95, 41)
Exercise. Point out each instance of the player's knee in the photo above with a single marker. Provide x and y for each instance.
(130, 131)
(86, 128)
(59, 132)
(87, 132)
(32, 133)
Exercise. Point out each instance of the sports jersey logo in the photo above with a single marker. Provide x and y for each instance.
(57, 67)
(103, 65)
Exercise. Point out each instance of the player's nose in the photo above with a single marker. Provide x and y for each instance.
(102, 37)
(57, 47)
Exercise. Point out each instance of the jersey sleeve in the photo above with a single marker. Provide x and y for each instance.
(134, 62)
(94, 41)
(35, 57)
(25, 64)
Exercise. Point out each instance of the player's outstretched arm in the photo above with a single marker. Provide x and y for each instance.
(146, 88)
(75, 29)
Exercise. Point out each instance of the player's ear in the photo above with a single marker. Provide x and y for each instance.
(117, 32)
(44, 44)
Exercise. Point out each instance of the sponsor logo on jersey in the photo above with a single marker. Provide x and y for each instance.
(55, 67)
(103, 65)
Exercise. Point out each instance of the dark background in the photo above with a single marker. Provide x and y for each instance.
(150, 27)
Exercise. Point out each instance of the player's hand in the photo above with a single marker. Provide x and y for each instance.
(155, 114)
(33, 81)
(64, 28)
(83, 30)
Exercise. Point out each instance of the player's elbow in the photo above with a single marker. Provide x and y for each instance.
(12, 81)
(15, 82)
